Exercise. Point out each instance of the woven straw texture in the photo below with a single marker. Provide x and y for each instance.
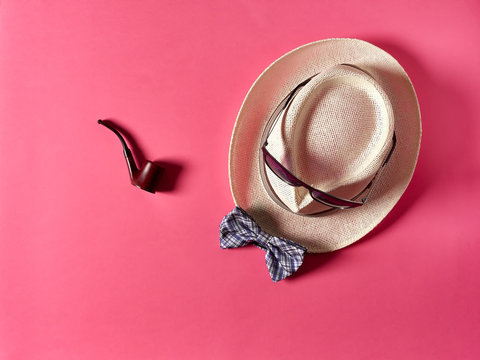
(334, 136)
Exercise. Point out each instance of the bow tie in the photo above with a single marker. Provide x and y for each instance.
(283, 257)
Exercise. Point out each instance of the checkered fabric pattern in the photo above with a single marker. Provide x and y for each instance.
(283, 257)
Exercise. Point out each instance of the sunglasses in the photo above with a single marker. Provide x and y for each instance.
(288, 177)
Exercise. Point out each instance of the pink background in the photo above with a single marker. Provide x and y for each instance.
(93, 268)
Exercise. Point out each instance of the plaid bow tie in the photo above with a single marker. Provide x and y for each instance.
(283, 257)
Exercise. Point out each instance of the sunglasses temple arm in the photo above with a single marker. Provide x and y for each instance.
(282, 106)
(276, 115)
(372, 183)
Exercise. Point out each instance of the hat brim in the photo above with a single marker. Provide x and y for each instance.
(341, 228)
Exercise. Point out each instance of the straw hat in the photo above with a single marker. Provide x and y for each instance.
(339, 115)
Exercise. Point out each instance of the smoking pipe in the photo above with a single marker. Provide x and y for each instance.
(143, 178)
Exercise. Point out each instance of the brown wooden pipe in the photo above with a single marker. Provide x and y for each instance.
(144, 178)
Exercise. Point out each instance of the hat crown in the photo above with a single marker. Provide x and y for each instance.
(334, 136)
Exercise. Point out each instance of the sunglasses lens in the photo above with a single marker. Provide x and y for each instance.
(332, 201)
(280, 171)
(291, 180)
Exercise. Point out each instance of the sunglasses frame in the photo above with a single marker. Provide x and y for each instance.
(334, 202)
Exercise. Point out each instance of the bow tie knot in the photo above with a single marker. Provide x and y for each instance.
(283, 257)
